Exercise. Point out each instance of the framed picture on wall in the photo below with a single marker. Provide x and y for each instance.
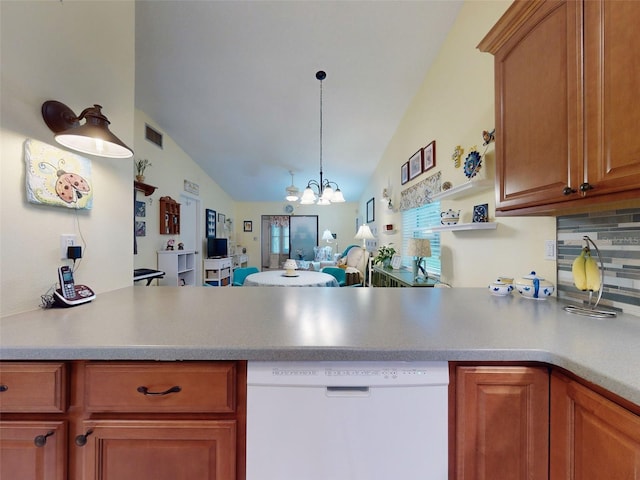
(415, 165)
(404, 173)
(371, 210)
(210, 218)
(429, 156)
(248, 226)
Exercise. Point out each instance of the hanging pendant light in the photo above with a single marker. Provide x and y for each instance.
(325, 193)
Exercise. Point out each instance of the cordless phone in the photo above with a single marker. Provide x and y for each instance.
(69, 294)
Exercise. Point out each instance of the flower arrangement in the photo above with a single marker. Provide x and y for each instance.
(384, 255)
(141, 164)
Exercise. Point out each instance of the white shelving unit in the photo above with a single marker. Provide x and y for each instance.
(179, 267)
(464, 190)
(217, 271)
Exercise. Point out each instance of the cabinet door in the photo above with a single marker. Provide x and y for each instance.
(501, 422)
(538, 107)
(612, 75)
(21, 458)
(159, 450)
(592, 438)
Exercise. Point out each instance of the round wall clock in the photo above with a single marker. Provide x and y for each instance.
(288, 209)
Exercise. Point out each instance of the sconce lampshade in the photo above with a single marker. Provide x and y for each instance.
(419, 247)
(93, 137)
(364, 234)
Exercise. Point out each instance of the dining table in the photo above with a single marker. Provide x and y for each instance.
(301, 278)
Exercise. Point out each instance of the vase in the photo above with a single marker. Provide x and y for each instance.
(140, 178)
(386, 263)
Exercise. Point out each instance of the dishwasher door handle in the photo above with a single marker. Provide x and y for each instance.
(347, 391)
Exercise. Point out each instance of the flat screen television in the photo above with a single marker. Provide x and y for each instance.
(217, 247)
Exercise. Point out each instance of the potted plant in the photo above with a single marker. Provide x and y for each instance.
(384, 255)
(141, 164)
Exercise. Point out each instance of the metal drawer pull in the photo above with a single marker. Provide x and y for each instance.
(81, 440)
(41, 440)
(4, 388)
(145, 391)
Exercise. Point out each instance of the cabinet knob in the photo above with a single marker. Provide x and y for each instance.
(4, 388)
(585, 187)
(145, 391)
(41, 440)
(81, 440)
(568, 190)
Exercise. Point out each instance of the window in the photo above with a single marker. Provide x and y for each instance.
(415, 222)
(280, 238)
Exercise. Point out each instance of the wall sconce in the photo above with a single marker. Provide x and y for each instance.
(93, 137)
(386, 198)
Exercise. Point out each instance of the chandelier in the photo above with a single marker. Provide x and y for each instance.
(323, 192)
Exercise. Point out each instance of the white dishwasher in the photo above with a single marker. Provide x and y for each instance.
(347, 420)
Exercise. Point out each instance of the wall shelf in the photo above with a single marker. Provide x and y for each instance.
(464, 190)
(143, 187)
(463, 226)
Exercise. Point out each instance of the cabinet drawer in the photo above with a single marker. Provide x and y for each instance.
(160, 387)
(33, 387)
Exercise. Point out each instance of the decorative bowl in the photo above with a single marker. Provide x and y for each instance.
(532, 286)
(500, 288)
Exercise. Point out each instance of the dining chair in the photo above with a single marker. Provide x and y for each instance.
(239, 274)
(339, 274)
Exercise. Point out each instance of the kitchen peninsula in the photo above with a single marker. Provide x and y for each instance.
(459, 324)
(190, 332)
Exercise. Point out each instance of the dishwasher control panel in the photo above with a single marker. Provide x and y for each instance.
(348, 373)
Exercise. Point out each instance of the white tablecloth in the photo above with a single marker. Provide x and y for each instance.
(276, 278)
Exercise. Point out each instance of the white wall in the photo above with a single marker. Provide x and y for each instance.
(57, 50)
(454, 105)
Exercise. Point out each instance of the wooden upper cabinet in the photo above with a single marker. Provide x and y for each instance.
(612, 95)
(566, 83)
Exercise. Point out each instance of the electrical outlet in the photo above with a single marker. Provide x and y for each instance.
(66, 240)
(549, 249)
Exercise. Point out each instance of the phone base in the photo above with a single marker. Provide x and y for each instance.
(83, 295)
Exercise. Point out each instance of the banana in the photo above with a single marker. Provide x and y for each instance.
(592, 273)
(579, 272)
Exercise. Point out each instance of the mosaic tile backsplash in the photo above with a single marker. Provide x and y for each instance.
(616, 233)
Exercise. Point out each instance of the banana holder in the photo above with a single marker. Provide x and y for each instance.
(591, 310)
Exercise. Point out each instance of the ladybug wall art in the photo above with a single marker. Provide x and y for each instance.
(57, 177)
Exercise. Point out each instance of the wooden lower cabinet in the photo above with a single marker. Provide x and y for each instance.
(155, 450)
(592, 437)
(501, 423)
(33, 450)
(122, 420)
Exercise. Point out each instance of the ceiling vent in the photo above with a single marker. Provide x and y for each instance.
(153, 135)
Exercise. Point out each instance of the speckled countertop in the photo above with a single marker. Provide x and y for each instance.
(272, 323)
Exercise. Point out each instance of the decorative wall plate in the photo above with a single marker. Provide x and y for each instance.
(472, 164)
(481, 213)
(288, 208)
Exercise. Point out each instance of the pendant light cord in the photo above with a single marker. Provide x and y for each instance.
(321, 78)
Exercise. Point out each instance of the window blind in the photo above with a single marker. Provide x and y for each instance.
(415, 223)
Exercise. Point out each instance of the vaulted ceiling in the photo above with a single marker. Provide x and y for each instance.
(233, 83)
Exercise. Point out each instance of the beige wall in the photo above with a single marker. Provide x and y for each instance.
(57, 50)
(453, 107)
(339, 218)
(171, 166)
